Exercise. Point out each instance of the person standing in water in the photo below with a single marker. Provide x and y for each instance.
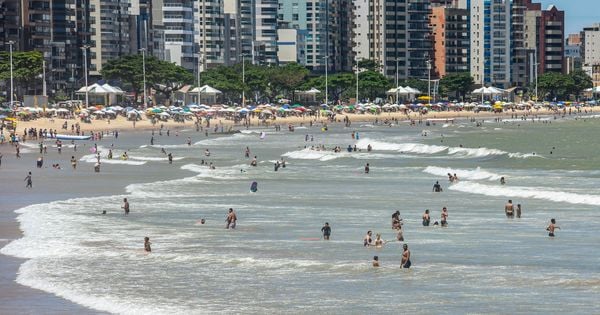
(551, 227)
(444, 217)
(405, 262)
(519, 210)
(73, 162)
(437, 187)
(125, 206)
(502, 180)
(426, 218)
(326, 229)
(231, 219)
(367, 240)
(147, 244)
(509, 209)
(378, 241)
(29, 181)
(170, 157)
(367, 168)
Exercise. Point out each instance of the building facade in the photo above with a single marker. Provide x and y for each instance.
(450, 32)
(491, 42)
(178, 23)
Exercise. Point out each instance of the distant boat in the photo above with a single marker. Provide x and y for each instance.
(71, 137)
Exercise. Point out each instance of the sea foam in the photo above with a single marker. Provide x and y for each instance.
(476, 174)
(526, 192)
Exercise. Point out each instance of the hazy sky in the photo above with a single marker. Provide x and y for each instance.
(578, 13)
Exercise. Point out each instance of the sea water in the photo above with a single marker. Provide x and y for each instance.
(275, 261)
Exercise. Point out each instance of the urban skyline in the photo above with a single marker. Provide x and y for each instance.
(506, 43)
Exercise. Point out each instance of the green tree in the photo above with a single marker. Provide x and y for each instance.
(226, 79)
(369, 64)
(128, 69)
(457, 83)
(287, 79)
(167, 77)
(372, 84)
(581, 81)
(163, 76)
(27, 66)
(553, 85)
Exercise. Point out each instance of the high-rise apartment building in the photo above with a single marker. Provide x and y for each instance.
(178, 23)
(326, 29)
(399, 37)
(109, 27)
(450, 32)
(590, 45)
(491, 42)
(573, 53)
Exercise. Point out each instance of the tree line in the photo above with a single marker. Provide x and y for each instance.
(269, 83)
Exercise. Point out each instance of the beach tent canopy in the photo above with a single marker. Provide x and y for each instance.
(411, 90)
(595, 89)
(488, 91)
(100, 89)
(206, 89)
(312, 91)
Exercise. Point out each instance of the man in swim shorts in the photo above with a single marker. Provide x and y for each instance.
(405, 263)
(437, 187)
(509, 209)
(426, 218)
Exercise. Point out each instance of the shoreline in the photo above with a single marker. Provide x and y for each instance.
(121, 124)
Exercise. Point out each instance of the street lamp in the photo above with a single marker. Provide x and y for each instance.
(326, 86)
(243, 79)
(356, 103)
(143, 50)
(199, 63)
(429, 80)
(10, 44)
(397, 90)
(87, 99)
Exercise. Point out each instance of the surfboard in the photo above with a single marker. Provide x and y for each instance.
(70, 137)
(254, 187)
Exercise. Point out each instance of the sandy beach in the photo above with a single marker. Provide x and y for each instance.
(19, 299)
(120, 123)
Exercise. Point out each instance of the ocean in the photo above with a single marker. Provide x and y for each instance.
(276, 262)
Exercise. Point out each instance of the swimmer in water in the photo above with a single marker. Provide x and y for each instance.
(426, 218)
(367, 239)
(502, 180)
(405, 262)
(326, 229)
(375, 261)
(437, 187)
(551, 227)
(509, 209)
(444, 217)
(378, 241)
(147, 244)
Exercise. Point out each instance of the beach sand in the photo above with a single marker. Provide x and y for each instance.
(18, 299)
(120, 123)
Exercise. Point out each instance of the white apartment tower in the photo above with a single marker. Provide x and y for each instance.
(178, 21)
(490, 42)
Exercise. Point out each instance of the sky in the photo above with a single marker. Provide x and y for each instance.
(578, 13)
